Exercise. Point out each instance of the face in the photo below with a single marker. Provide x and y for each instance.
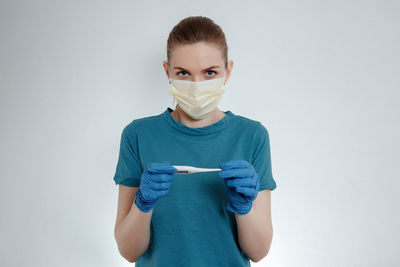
(197, 62)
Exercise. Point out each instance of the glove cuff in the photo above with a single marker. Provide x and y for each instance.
(143, 205)
(239, 210)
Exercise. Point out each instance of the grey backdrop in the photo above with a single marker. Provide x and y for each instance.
(322, 76)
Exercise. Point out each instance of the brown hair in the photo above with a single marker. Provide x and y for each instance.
(195, 29)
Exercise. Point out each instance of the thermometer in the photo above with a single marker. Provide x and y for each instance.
(191, 169)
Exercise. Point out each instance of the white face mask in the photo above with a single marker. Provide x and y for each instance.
(197, 99)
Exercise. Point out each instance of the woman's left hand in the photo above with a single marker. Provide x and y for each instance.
(242, 183)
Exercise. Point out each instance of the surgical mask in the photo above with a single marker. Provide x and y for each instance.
(197, 99)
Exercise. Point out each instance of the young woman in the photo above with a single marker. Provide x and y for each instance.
(215, 218)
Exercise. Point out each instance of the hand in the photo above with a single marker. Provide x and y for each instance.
(155, 182)
(242, 183)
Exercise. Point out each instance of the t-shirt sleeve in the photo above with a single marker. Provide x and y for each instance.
(261, 159)
(129, 169)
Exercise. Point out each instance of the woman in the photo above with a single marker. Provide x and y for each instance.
(220, 218)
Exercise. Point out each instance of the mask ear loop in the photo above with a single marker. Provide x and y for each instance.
(173, 101)
(224, 79)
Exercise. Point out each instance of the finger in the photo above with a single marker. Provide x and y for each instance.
(239, 182)
(162, 193)
(160, 186)
(235, 163)
(161, 178)
(238, 173)
(247, 191)
(161, 167)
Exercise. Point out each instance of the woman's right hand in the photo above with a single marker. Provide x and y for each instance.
(155, 182)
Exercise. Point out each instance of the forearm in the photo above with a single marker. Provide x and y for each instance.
(133, 233)
(255, 234)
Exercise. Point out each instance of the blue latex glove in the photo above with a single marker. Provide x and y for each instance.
(242, 183)
(155, 182)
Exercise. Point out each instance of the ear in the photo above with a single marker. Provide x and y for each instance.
(165, 65)
(228, 70)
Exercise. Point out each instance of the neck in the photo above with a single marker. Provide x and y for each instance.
(214, 116)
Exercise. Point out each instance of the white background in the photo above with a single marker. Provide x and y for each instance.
(322, 76)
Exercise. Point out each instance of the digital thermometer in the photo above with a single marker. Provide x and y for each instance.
(191, 169)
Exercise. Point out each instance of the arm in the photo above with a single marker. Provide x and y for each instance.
(132, 226)
(255, 228)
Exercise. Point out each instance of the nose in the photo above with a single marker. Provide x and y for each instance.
(196, 79)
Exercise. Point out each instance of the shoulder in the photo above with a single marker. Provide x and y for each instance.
(139, 124)
(255, 131)
(254, 126)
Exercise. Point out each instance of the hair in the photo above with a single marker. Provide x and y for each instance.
(195, 29)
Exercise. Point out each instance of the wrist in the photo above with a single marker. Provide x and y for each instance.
(240, 209)
(142, 204)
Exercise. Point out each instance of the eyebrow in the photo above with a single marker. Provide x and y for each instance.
(212, 67)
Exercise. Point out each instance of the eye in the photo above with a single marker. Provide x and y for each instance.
(181, 72)
(211, 72)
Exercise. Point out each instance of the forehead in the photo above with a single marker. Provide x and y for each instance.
(196, 56)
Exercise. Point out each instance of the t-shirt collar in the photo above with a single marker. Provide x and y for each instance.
(209, 129)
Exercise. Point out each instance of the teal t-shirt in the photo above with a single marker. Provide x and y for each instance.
(190, 226)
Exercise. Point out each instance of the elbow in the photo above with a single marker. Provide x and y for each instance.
(261, 253)
(125, 253)
(128, 256)
(131, 260)
(259, 257)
